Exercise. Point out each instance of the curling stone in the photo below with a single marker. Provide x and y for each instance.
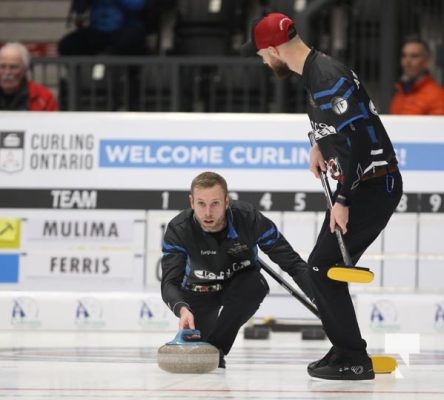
(313, 333)
(188, 354)
(257, 332)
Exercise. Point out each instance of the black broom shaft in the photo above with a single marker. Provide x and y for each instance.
(329, 197)
(343, 248)
(270, 271)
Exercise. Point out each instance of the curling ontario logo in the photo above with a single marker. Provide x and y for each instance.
(152, 315)
(12, 151)
(439, 317)
(384, 316)
(25, 313)
(89, 313)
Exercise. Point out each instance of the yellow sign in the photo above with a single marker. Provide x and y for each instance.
(9, 233)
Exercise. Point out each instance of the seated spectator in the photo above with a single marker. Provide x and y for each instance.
(17, 92)
(416, 92)
(115, 27)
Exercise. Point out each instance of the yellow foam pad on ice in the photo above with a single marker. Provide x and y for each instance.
(383, 364)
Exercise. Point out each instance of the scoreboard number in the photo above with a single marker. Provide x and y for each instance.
(403, 204)
(165, 200)
(435, 201)
(233, 195)
(265, 202)
(300, 201)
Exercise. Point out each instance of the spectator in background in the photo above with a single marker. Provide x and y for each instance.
(115, 27)
(416, 92)
(17, 92)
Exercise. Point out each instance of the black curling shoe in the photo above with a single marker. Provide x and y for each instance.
(333, 366)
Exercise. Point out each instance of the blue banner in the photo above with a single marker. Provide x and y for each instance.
(243, 154)
(203, 154)
(420, 156)
(9, 268)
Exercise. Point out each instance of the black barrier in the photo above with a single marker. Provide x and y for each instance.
(298, 201)
(164, 84)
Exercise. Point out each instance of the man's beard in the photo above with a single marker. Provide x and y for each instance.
(281, 70)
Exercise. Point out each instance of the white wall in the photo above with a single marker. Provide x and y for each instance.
(134, 170)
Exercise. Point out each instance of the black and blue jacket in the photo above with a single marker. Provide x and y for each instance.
(344, 120)
(192, 256)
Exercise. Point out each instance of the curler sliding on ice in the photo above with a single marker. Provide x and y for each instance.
(347, 272)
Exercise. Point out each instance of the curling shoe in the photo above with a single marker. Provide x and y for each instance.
(323, 361)
(332, 366)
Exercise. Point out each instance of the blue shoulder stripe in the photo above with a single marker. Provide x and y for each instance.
(345, 96)
(166, 247)
(331, 91)
(186, 276)
(349, 121)
(269, 237)
(372, 133)
(363, 109)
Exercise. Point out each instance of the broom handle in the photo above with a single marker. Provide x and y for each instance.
(329, 197)
(270, 271)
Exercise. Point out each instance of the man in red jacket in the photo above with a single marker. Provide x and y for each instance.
(416, 92)
(17, 93)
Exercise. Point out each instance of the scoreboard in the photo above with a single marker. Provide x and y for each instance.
(102, 199)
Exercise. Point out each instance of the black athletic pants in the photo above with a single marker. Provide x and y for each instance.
(220, 315)
(373, 204)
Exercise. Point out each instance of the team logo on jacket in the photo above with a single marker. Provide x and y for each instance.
(321, 130)
(208, 252)
(335, 169)
(11, 151)
(339, 105)
(208, 275)
(372, 108)
(356, 79)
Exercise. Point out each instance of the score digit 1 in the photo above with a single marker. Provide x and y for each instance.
(165, 200)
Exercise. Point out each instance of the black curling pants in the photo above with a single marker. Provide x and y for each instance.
(220, 315)
(373, 205)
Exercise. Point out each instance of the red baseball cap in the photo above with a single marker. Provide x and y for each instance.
(271, 30)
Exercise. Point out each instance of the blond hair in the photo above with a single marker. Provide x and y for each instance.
(209, 179)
